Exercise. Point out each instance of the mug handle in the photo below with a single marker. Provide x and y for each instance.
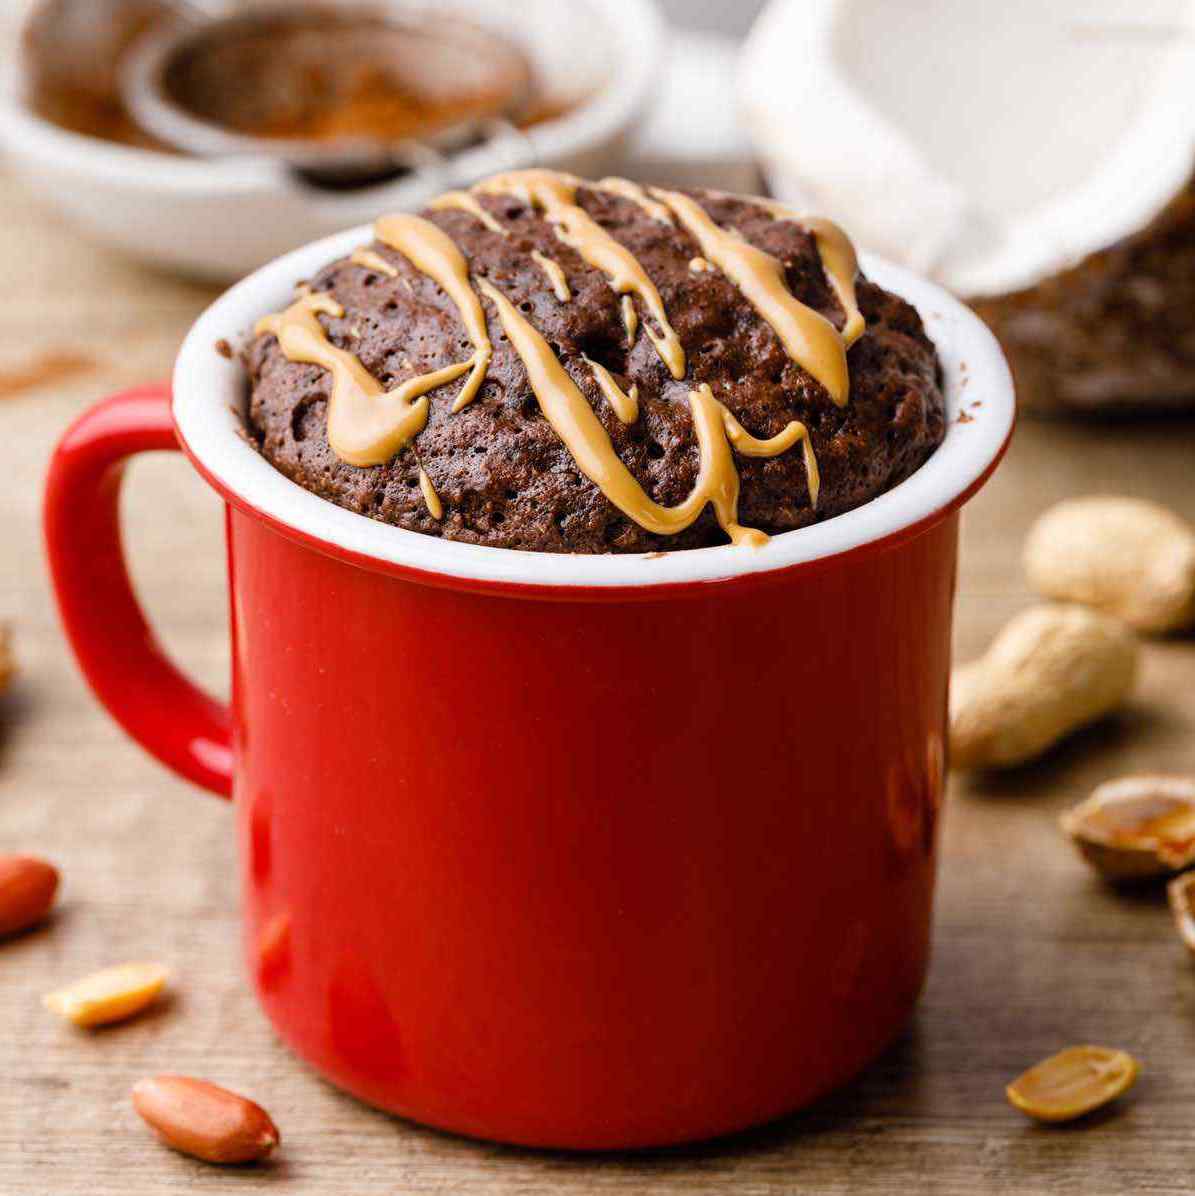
(160, 708)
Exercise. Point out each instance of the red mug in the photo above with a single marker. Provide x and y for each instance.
(569, 851)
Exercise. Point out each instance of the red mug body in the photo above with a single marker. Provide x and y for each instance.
(597, 873)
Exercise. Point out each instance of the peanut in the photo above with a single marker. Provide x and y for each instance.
(27, 890)
(8, 665)
(1136, 827)
(1073, 1082)
(1049, 671)
(1180, 892)
(112, 995)
(1131, 558)
(205, 1121)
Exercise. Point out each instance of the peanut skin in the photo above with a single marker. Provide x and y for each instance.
(7, 664)
(1050, 671)
(1128, 557)
(28, 887)
(205, 1121)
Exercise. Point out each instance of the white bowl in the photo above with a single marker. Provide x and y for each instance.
(221, 218)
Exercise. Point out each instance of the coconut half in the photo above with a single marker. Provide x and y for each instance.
(1038, 159)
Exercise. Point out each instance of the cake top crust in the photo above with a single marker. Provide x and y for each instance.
(547, 364)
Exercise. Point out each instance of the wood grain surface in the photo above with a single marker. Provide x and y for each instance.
(1032, 953)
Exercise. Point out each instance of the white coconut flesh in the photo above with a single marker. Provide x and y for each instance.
(990, 145)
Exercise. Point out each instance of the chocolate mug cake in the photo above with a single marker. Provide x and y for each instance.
(570, 848)
(547, 364)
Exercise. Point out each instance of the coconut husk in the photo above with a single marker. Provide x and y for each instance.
(1113, 334)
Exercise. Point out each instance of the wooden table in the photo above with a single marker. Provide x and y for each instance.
(1032, 953)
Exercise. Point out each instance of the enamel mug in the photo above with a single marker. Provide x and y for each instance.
(568, 851)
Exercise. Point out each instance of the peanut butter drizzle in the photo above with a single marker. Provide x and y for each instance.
(555, 275)
(435, 508)
(432, 252)
(367, 425)
(632, 191)
(373, 261)
(463, 201)
(556, 195)
(751, 446)
(630, 318)
(808, 337)
(839, 260)
(625, 405)
(574, 421)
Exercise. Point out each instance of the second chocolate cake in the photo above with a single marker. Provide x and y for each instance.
(552, 365)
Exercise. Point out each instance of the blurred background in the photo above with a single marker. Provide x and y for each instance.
(1037, 159)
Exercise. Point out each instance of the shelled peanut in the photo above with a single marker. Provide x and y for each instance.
(112, 995)
(1073, 1083)
(7, 662)
(28, 886)
(205, 1121)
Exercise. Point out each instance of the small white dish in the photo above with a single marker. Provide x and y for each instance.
(221, 218)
